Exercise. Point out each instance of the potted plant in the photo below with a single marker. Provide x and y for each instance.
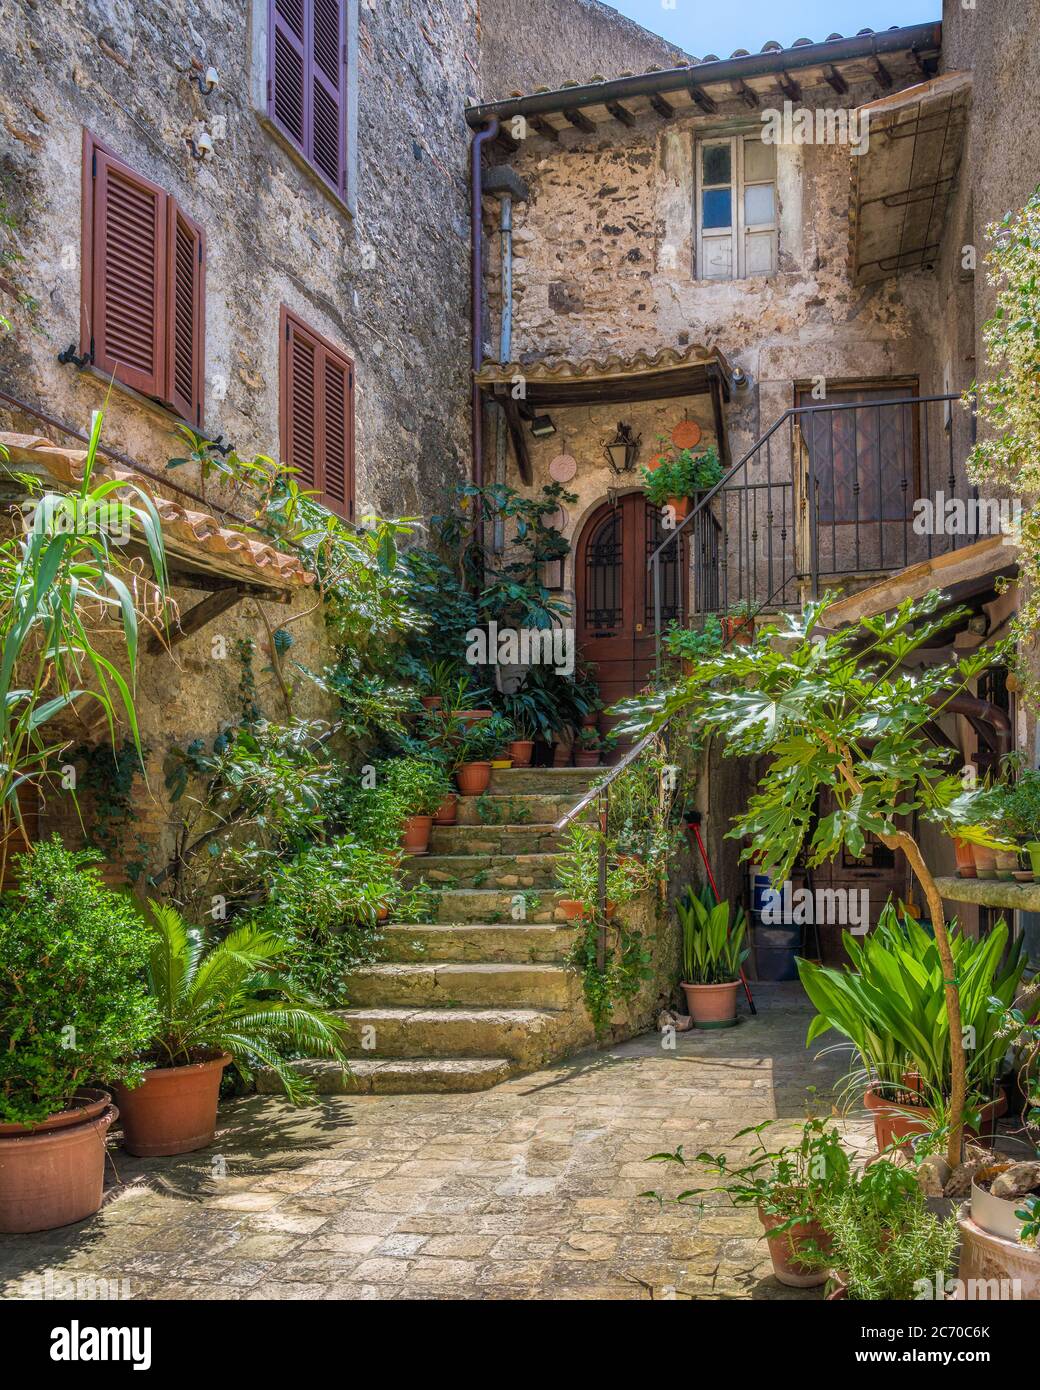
(418, 789)
(787, 1186)
(713, 952)
(1019, 819)
(73, 1009)
(588, 748)
(889, 1003)
(478, 743)
(460, 703)
(229, 1002)
(739, 623)
(680, 474)
(577, 872)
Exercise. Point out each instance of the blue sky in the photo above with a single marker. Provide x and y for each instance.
(708, 26)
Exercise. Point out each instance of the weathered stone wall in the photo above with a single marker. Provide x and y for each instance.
(388, 285)
(543, 43)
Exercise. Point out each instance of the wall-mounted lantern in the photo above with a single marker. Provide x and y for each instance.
(623, 450)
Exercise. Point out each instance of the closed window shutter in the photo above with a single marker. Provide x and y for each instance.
(127, 325)
(185, 314)
(328, 78)
(318, 416)
(286, 87)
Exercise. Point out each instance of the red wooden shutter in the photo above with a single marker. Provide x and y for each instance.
(302, 365)
(286, 85)
(318, 415)
(328, 80)
(129, 269)
(185, 315)
(337, 435)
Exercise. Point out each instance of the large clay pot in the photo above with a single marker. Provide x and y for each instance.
(712, 1006)
(415, 838)
(986, 1257)
(783, 1251)
(447, 811)
(54, 1175)
(521, 750)
(173, 1110)
(895, 1123)
(473, 778)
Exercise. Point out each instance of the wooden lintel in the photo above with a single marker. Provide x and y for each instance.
(545, 128)
(836, 80)
(516, 433)
(620, 114)
(663, 108)
(580, 121)
(197, 617)
(703, 100)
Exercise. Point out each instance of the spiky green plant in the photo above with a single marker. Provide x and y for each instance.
(713, 951)
(233, 997)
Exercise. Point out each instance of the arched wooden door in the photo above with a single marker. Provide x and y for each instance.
(614, 593)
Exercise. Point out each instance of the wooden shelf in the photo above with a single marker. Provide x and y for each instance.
(991, 892)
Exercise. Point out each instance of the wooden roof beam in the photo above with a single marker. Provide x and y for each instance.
(703, 100)
(747, 94)
(620, 113)
(881, 73)
(664, 109)
(790, 88)
(580, 121)
(545, 128)
(836, 80)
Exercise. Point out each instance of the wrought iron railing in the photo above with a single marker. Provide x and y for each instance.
(826, 495)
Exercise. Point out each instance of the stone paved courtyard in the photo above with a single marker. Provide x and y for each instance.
(526, 1191)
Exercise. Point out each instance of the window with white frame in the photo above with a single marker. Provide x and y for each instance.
(736, 206)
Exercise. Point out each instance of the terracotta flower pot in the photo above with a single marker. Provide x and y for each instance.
(470, 716)
(572, 908)
(447, 811)
(985, 861)
(740, 630)
(415, 837)
(680, 506)
(897, 1124)
(54, 1175)
(590, 720)
(783, 1251)
(473, 778)
(173, 1110)
(1007, 863)
(562, 753)
(712, 1006)
(430, 701)
(965, 858)
(521, 750)
(586, 757)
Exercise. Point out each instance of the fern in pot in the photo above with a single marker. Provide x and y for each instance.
(713, 952)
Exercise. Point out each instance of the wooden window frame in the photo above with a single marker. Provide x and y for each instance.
(289, 320)
(91, 279)
(739, 229)
(304, 147)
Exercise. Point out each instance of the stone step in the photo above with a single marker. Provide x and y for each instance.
(494, 905)
(494, 839)
(479, 942)
(539, 808)
(511, 871)
(385, 1076)
(445, 985)
(525, 1036)
(524, 781)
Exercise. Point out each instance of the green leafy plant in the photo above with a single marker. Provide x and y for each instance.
(235, 997)
(840, 713)
(417, 787)
(713, 950)
(577, 865)
(1018, 810)
(484, 739)
(73, 1005)
(681, 473)
(694, 643)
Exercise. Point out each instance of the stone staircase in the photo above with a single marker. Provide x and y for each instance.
(482, 990)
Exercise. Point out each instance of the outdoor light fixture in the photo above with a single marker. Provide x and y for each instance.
(208, 80)
(542, 426)
(622, 450)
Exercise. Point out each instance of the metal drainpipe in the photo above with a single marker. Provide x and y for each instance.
(477, 311)
(505, 345)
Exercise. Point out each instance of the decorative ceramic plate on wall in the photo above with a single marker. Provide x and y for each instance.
(686, 435)
(563, 468)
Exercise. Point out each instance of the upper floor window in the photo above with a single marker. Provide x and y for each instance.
(317, 414)
(736, 207)
(307, 82)
(144, 262)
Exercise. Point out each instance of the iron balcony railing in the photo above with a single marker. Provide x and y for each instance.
(827, 494)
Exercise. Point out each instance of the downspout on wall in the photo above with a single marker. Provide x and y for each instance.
(480, 139)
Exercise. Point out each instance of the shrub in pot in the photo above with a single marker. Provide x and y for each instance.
(787, 1186)
(712, 952)
(588, 748)
(478, 745)
(418, 789)
(577, 872)
(680, 474)
(231, 1001)
(73, 1010)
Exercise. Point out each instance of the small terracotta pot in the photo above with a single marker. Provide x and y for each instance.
(562, 753)
(473, 778)
(680, 506)
(572, 908)
(447, 811)
(173, 1110)
(586, 757)
(741, 630)
(54, 1175)
(965, 858)
(382, 914)
(415, 837)
(470, 716)
(430, 701)
(591, 720)
(521, 750)
(985, 861)
(1007, 863)
(783, 1251)
(712, 1006)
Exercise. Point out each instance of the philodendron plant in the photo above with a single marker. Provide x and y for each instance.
(841, 713)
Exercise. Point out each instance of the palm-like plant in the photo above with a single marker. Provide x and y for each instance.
(60, 579)
(713, 951)
(232, 998)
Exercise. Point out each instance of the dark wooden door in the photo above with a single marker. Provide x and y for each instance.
(615, 600)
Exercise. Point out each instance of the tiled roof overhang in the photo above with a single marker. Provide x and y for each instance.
(595, 381)
(903, 182)
(837, 63)
(201, 553)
